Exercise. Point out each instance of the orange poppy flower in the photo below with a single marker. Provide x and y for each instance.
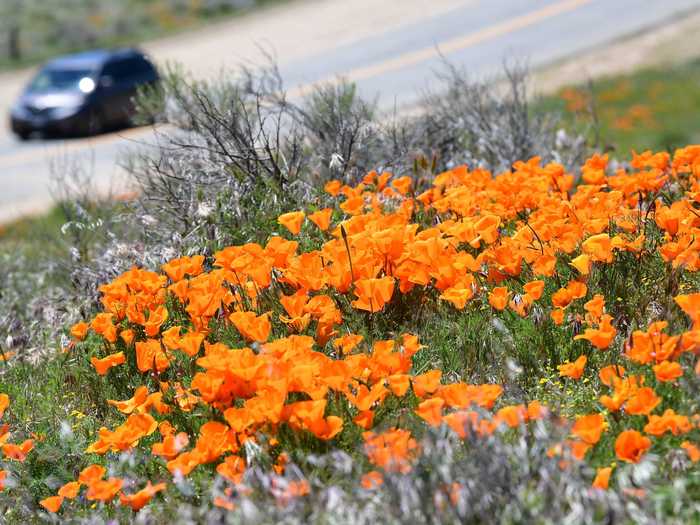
(690, 304)
(91, 474)
(171, 337)
(347, 342)
(382, 180)
(599, 247)
(364, 419)
(137, 403)
(589, 428)
(602, 478)
(171, 445)
(544, 265)
(631, 445)
(595, 307)
(4, 403)
(184, 463)
(104, 490)
(251, 326)
(295, 305)
(322, 218)
(176, 269)
(534, 289)
(191, 342)
(667, 371)
(332, 187)
(462, 395)
(371, 480)
(353, 205)
(280, 465)
(512, 415)
(224, 503)
(79, 330)
(139, 499)
(292, 221)
(103, 365)
(593, 171)
(431, 411)
(692, 450)
(578, 449)
(464, 422)
(535, 410)
(562, 298)
(582, 263)
(668, 422)
(642, 402)
(426, 383)
(399, 384)
(458, 296)
(18, 452)
(369, 177)
(519, 304)
(573, 370)
(602, 336)
(402, 184)
(233, 469)
(392, 450)
(373, 294)
(557, 316)
(577, 289)
(156, 318)
(70, 490)
(151, 356)
(127, 336)
(325, 428)
(498, 298)
(609, 373)
(103, 325)
(52, 503)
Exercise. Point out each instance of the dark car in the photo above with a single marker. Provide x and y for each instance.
(82, 94)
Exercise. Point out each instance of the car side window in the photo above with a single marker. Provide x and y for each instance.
(128, 71)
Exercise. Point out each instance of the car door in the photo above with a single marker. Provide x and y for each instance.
(108, 96)
(116, 90)
(140, 73)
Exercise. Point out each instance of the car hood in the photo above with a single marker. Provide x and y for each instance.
(51, 99)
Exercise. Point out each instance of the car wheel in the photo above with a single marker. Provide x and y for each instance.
(23, 136)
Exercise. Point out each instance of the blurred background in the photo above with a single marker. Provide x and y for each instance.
(35, 30)
(623, 73)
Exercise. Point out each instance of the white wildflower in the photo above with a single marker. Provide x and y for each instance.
(336, 162)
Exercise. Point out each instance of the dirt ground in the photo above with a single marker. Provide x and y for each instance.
(674, 42)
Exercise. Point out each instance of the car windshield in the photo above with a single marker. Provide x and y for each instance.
(61, 80)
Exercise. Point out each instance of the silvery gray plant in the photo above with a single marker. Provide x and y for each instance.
(506, 478)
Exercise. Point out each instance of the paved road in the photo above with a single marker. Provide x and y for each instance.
(390, 48)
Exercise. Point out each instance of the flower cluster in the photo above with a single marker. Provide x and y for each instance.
(262, 341)
(11, 451)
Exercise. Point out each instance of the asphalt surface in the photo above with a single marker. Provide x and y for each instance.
(394, 61)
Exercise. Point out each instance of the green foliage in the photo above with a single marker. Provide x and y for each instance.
(656, 108)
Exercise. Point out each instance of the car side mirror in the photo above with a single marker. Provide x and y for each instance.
(106, 81)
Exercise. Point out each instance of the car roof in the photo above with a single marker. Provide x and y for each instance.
(91, 59)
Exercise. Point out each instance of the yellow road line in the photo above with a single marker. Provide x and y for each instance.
(449, 46)
(393, 64)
